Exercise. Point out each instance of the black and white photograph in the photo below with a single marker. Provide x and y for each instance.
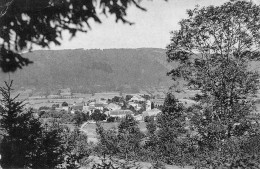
(129, 84)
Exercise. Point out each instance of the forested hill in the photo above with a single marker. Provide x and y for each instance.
(98, 70)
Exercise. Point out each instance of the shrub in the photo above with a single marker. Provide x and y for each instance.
(111, 119)
(98, 116)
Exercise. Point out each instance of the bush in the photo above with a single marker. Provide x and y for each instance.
(148, 118)
(111, 119)
(98, 116)
(64, 104)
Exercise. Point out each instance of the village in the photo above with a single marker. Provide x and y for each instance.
(112, 104)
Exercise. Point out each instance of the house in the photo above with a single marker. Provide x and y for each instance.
(158, 102)
(136, 106)
(75, 108)
(119, 113)
(99, 106)
(153, 112)
(137, 98)
(138, 117)
(36, 97)
(92, 104)
(65, 93)
(113, 106)
(53, 96)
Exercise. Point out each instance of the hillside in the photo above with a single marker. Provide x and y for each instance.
(94, 70)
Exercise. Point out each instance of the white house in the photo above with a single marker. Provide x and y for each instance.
(113, 106)
(153, 112)
(119, 113)
(138, 117)
(137, 98)
(135, 105)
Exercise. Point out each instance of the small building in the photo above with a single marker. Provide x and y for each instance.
(138, 117)
(36, 97)
(113, 106)
(158, 102)
(137, 98)
(119, 113)
(53, 96)
(153, 112)
(75, 108)
(99, 106)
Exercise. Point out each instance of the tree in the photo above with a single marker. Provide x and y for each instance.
(171, 128)
(117, 99)
(130, 136)
(40, 23)
(21, 131)
(152, 105)
(79, 118)
(98, 116)
(64, 104)
(214, 49)
(125, 142)
(128, 97)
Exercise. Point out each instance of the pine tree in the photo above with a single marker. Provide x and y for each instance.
(21, 131)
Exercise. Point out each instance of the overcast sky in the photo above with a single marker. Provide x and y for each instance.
(151, 29)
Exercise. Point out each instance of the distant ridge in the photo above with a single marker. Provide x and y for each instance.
(94, 69)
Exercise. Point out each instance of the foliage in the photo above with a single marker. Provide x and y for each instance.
(152, 105)
(98, 116)
(132, 109)
(128, 97)
(214, 49)
(117, 99)
(75, 149)
(54, 106)
(171, 131)
(123, 142)
(111, 119)
(151, 125)
(26, 143)
(44, 108)
(49, 153)
(21, 131)
(147, 97)
(41, 23)
(80, 117)
(64, 104)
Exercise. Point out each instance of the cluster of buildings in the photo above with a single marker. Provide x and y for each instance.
(115, 109)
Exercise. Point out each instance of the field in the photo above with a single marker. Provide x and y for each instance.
(90, 129)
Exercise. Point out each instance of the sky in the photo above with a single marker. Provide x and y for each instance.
(151, 29)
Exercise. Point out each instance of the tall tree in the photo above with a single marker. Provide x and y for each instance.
(214, 49)
(171, 128)
(27, 23)
(21, 131)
